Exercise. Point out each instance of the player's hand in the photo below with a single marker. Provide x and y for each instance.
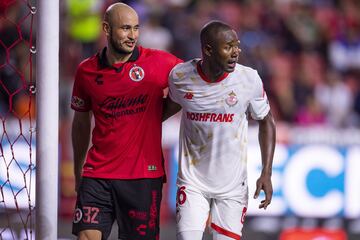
(264, 183)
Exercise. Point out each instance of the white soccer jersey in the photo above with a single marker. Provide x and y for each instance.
(213, 131)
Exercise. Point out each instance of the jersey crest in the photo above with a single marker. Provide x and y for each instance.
(136, 73)
(231, 100)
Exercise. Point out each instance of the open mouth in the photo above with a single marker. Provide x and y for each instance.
(232, 63)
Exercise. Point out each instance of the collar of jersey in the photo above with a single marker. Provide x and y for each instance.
(205, 78)
(105, 64)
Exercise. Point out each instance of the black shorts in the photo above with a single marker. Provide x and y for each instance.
(134, 204)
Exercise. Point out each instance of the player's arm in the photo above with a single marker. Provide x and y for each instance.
(170, 104)
(169, 108)
(267, 136)
(80, 135)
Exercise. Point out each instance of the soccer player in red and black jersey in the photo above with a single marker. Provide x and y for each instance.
(120, 177)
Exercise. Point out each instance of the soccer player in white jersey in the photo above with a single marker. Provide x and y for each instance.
(218, 96)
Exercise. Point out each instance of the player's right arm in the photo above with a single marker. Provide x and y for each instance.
(80, 135)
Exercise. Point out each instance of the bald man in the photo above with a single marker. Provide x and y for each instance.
(217, 96)
(120, 177)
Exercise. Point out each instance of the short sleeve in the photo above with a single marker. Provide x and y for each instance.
(259, 104)
(173, 91)
(165, 66)
(80, 100)
(174, 61)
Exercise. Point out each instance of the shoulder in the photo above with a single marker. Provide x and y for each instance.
(245, 69)
(149, 52)
(90, 63)
(187, 66)
(247, 72)
(182, 70)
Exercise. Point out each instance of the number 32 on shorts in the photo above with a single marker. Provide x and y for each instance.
(87, 215)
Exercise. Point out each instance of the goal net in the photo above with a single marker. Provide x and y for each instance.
(17, 123)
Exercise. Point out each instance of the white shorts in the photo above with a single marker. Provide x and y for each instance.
(193, 209)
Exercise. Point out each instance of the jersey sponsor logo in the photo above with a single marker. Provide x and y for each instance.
(141, 229)
(114, 107)
(138, 215)
(153, 210)
(77, 102)
(231, 100)
(136, 73)
(210, 117)
(188, 95)
(77, 215)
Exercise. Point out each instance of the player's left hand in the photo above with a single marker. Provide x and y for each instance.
(264, 183)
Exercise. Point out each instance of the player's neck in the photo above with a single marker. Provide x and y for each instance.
(212, 72)
(115, 57)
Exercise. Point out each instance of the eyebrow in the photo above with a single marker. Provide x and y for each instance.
(233, 42)
(129, 26)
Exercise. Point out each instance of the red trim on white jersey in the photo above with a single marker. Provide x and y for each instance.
(205, 78)
(225, 232)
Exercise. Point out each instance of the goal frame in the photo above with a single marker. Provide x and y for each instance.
(47, 119)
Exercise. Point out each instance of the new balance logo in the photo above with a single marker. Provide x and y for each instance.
(189, 95)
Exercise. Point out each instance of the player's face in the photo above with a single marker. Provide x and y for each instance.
(124, 32)
(226, 51)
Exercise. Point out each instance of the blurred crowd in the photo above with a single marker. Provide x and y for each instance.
(306, 51)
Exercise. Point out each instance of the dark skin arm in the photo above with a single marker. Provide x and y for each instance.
(169, 108)
(80, 136)
(267, 138)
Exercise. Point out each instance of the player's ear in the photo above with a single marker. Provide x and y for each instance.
(106, 28)
(207, 50)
